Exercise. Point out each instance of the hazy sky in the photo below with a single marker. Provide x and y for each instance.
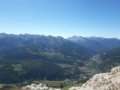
(61, 17)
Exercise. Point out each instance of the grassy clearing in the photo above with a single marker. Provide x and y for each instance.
(10, 87)
(55, 84)
(69, 86)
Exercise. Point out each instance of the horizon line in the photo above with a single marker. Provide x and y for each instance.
(60, 35)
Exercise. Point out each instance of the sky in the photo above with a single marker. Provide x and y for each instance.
(65, 18)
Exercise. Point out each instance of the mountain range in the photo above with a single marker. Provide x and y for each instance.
(26, 57)
(97, 44)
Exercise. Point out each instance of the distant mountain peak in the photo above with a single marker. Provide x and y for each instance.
(97, 44)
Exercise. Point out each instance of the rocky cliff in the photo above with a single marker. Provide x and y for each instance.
(102, 81)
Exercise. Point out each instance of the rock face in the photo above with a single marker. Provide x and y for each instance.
(102, 81)
(38, 87)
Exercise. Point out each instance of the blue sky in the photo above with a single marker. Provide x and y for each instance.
(61, 17)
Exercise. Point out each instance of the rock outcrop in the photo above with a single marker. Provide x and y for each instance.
(102, 81)
(38, 87)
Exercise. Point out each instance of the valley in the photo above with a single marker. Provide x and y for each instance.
(26, 58)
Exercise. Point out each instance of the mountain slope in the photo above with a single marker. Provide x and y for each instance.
(110, 59)
(105, 61)
(21, 71)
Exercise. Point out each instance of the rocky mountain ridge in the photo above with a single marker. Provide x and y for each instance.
(97, 44)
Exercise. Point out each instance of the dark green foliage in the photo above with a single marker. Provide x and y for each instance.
(62, 85)
(15, 72)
